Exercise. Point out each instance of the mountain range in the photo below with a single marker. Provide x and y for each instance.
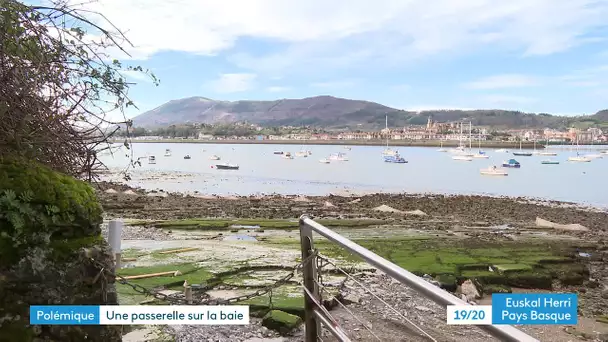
(338, 113)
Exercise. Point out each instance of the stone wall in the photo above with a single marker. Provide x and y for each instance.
(49, 234)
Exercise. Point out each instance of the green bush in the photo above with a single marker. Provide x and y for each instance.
(37, 204)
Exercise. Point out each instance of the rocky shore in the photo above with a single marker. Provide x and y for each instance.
(481, 223)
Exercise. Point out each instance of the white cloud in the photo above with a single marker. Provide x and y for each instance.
(334, 84)
(136, 75)
(232, 83)
(277, 89)
(506, 100)
(320, 29)
(504, 81)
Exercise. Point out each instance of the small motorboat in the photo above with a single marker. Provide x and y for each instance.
(151, 160)
(187, 156)
(167, 153)
(347, 148)
(481, 155)
(549, 162)
(579, 159)
(214, 157)
(462, 157)
(522, 154)
(278, 152)
(324, 161)
(548, 154)
(288, 155)
(512, 163)
(594, 156)
(604, 152)
(226, 166)
(397, 159)
(339, 157)
(302, 154)
(502, 150)
(493, 171)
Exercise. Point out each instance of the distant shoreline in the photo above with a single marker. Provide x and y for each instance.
(426, 143)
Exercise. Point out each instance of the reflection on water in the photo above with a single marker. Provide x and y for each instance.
(263, 172)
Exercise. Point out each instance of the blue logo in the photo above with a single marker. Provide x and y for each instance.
(535, 308)
(64, 315)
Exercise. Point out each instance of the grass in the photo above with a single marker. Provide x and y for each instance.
(220, 224)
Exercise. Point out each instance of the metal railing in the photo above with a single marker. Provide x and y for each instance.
(315, 313)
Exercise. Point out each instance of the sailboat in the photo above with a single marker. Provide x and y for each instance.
(461, 155)
(522, 153)
(460, 148)
(545, 153)
(302, 153)
(480, 154)
(578, 157)
(387, 151)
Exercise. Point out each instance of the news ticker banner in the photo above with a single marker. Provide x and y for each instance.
(507, 308)
(138, 314)
(518, 308)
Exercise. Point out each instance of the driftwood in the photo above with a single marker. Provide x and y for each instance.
(179, 250)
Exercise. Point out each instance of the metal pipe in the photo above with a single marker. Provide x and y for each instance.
(439, 296)
(334, 329)
(312, 326)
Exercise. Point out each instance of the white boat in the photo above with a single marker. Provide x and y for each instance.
(338, 157)
(502, 150)
(214, 157)
(302, 154)
(462, 157)
(481, 156)
(288, 155)
(579, 159)
(151, 160)
(494, 171)
(387, 151)
(594, 156)
(347, 148)
(167, 153)
(550, 154)
(324, 161)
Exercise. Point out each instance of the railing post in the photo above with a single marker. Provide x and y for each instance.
(309, 273)
(114, 239)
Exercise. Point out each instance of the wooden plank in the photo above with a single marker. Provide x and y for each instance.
(179, 250)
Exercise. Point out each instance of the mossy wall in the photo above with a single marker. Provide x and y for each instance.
(49, 231)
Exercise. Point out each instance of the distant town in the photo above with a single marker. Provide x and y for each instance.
(432, 131)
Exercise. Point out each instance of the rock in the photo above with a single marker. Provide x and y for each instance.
(130, 192)
(548, 224)
(301, 199)
(355, 201)
(386, 209)
(469, 290)
(605, 293)
(111, 191)
(416, 212)
(351, 298)
(328, 204)
(424, 308)
(281, 321)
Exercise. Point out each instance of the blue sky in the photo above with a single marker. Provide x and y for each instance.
(530, 55)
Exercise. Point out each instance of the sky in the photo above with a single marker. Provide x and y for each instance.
(531, 55)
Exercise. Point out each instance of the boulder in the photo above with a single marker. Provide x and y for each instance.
(281, 321)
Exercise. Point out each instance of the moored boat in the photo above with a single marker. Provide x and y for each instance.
(226, 166)
(167, 153)
(549, 162)
(512, 163)
(278, 152)
(214, 157)
(481, 155)
(462, 157)
(324, 161)
(551, 154)
(187, 156)
(151, 160)
(579, 159)
(338, 157)
(288, 155)
(494, 171)
(397, 159)
(501, 150)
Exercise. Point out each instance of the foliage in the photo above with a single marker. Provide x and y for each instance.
(37, 202)
(59, 85)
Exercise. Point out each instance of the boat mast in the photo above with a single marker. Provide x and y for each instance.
(386, 125)
(470, 138)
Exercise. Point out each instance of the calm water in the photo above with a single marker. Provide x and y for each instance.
(262, 172)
